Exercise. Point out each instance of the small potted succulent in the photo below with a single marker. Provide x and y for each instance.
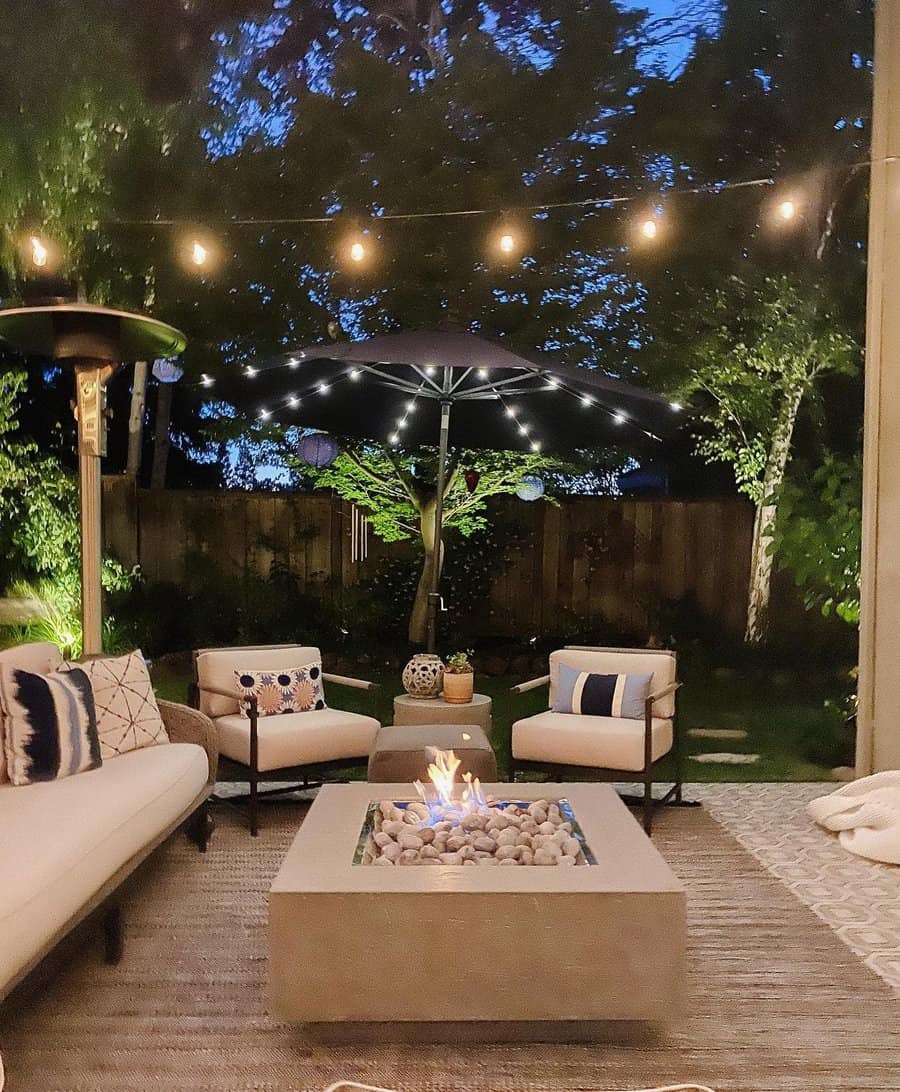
(459, 678)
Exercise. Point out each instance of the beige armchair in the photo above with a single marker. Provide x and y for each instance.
(612, 747)
(300, 747)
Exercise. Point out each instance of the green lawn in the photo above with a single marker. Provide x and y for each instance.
(783, 716)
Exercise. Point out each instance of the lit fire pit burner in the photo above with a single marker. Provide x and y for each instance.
(470, 830)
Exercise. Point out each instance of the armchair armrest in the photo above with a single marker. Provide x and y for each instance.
(664, 693)
(531, 684)
(186, 725)
(347, 680)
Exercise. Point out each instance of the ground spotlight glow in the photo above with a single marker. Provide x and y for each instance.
(39, 252)
(649, 229)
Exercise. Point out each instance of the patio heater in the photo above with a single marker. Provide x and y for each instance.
(94, 341)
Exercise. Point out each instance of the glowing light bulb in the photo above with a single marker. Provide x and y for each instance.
(199, 253)
(293, 363)
(355, 374)
(676, 407)
(250, 371)
(552, 384)
(482, 373)
(430, 369)
(39, 252)
(787, 210)
(323, 388)
(265, 414)
(206, 380)
(293, 401)
(619, 418)
(587, 400)
(507, 243)
(357, 252)
(401, 422)
(394, 437)
(535, 445)
(410, 406)
(510, 411)
(649, 229)
(523, 429)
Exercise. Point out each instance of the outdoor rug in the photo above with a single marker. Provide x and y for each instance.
(776, 1000)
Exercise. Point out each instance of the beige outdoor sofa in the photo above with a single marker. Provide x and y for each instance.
(611, 748)
(67, 845)
(286, 747)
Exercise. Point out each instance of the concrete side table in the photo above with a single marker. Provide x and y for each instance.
(409, 710)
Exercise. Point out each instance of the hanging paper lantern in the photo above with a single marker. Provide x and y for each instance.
(530, 488)
(318, 449)
(471, 478)
(167, 371)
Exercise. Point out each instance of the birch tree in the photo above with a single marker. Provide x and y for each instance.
(761, 354)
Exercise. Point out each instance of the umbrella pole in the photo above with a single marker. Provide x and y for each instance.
(434, 596)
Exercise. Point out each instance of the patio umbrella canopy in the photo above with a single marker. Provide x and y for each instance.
(454, 389)
(391, 389)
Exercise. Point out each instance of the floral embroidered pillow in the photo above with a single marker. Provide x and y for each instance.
(287, 690)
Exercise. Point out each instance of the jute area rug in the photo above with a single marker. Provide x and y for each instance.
(776, 1000)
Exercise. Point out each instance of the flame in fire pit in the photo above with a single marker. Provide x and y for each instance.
(442, 772)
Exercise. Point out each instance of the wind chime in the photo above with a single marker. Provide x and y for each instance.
(359, 534)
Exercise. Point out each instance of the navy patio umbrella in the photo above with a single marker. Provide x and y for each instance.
(455, 389)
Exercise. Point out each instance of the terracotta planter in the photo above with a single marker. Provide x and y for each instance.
(458, 689)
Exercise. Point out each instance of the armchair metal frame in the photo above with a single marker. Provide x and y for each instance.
(646, 801)
(310, 776)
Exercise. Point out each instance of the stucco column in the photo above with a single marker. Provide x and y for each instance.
(878, 734)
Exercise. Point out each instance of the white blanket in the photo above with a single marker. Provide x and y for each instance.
(866, 815)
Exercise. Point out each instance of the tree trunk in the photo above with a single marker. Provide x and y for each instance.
(161, 439)
(766, 513)
(418, 619)
(136, 419)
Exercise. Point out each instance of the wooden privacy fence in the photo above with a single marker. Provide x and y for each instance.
(606, 556)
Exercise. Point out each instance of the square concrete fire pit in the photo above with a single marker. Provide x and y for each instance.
(532, 947)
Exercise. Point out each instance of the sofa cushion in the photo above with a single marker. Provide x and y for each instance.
(50, 725)
(282, 690)
(661, 665)
(61, 841)
(216, 667)
(601, 695)
(127, 714)
(569, 739)
(38, 656)
(298, 739)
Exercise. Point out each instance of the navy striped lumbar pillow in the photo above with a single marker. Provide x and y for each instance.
(601, 695)
(49, 724)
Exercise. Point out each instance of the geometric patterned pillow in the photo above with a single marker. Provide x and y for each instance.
(50, 730)
(291, 690)
(128, 717)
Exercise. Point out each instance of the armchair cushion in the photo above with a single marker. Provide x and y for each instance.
(298, 739)
(572, 739)
(601, 695)
(612, 661)
(284, 690)
(216, 668)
